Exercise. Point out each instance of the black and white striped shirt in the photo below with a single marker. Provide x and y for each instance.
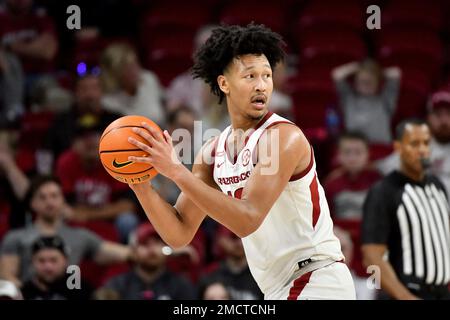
(412, 219)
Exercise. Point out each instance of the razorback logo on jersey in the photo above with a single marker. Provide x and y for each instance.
(234, 179)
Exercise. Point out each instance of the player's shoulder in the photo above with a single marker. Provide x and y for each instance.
(286, 134)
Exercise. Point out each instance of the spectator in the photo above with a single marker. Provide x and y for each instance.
(233, 271)
(87, 111)
(346, 188)
(439, 122)
(368, 107)
(406, 217)
(50, 280)
(186, 91)
(30, 34)
(91, 191)
(46, 201)
(129, 89)
(149, 279)
(214, 291)
(281, 103)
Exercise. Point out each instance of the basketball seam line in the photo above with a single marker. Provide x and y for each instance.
(119, 128)
(125, 173)
(120, 150)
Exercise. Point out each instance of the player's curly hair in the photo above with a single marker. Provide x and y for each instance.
(227, 42)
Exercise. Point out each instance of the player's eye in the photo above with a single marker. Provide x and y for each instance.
(249, 76)
(267, 76)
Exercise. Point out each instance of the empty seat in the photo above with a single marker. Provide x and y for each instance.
(332, 13)
(419, 14)
(411, 50)
(268, 13)
(330, 49)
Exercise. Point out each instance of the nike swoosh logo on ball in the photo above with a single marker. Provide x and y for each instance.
(121, 164)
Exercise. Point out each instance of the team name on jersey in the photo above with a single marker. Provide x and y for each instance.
(234, 179)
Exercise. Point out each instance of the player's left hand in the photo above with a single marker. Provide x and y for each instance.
(160, 151)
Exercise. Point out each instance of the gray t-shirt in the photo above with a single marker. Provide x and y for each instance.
(370, 115)
(80, 243)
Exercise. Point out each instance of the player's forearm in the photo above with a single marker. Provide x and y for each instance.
(171, 226)
(237, 215)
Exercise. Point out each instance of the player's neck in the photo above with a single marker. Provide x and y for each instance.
(241, 121)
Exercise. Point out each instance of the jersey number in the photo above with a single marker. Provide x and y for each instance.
(237, 193)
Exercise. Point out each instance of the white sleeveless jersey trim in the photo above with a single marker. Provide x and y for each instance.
(297, 227)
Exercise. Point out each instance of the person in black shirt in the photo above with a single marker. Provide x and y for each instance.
(86, 112)
(406, 216)
(50, 280)
(233, 271)
(149, 279)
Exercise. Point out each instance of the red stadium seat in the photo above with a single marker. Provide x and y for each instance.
(412, 50)
(4, 218)
(404, 14)
(346, 14)
(330, 49)
(169, 54)
(411, 103)
(176, 14)
(268, 13)
(311, 102)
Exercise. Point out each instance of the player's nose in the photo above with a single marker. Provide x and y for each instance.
(260, 85)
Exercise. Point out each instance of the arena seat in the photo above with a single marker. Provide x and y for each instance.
(4, 217)
(346, 14)
(267, 13)
(167, 14)
(416, 50)
(330, 49)
(311, 102)
(405, 14)
(169, 54)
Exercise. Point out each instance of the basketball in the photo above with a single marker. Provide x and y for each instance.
(114, 150)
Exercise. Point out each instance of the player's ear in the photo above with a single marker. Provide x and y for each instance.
(223, 84)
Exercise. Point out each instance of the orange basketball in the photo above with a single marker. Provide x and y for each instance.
(115, 149)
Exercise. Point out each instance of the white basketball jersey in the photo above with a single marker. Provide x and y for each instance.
(297, 227)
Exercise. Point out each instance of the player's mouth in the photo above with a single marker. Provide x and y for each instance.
(259, 101)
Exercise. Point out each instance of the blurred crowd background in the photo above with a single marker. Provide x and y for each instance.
(346, 87)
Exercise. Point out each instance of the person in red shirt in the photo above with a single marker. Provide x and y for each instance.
(346, 188)
(93, 193)
(30, 34)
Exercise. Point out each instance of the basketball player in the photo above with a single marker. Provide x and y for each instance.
(281, 216)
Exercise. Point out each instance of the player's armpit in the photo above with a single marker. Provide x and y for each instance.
(282, 152)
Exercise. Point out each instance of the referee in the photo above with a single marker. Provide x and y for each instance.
(406, 218)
